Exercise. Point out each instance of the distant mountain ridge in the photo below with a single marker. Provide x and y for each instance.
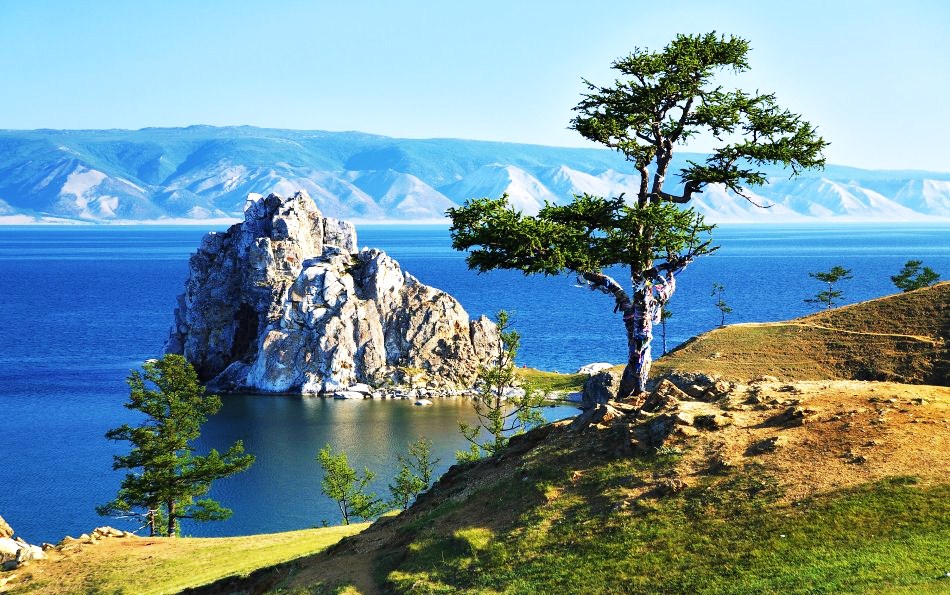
(204, 172)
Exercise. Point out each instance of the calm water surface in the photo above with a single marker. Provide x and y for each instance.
(82, 306)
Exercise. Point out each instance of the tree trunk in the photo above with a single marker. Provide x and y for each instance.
(172, 519)
(644, 312)
(639, 323)
(344, 508)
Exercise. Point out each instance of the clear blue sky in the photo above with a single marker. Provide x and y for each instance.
(874, 76)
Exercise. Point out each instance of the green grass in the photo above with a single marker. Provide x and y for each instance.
(551, 381)
(728, 534)
(149, 566)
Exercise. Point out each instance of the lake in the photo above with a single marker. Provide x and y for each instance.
(84, 305)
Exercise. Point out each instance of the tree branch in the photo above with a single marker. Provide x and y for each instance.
(605, 284)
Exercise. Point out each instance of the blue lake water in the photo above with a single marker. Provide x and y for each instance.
(82, 306)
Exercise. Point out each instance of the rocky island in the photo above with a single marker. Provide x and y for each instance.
(284, 302)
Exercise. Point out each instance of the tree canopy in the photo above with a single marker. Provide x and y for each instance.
(828, 297)
(167, 476)
(668, 97)
(912, 276)
(350, 490)
(662, 100)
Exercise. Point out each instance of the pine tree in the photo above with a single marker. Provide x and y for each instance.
(349, 490)
(168, 475)
(911, 277)
(415, 473)
(828, 297)
(718, 289)
(664, 99)
(665, 314)
(501, 409)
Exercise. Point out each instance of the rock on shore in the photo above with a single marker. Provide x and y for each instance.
(283, 302)
(14, 552)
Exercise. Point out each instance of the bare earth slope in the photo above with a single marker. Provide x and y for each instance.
(542, 513)
(900, 338)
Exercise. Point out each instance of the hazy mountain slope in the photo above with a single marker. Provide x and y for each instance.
(203, 172)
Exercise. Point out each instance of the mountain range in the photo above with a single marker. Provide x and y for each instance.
(202, 173)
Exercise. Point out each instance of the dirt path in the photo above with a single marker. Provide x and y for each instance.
(924, 339)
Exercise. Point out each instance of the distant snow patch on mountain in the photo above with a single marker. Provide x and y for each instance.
(205, 173)
(926, 196)
(403, 196)
(821, 197)
(525, 192)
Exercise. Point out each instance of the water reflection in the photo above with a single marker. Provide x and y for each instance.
(282, 490)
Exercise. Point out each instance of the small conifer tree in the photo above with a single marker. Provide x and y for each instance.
(828, 297)
(165, 475)
(415, 473)
(665, 314)
(912, 277)
(718, 289)
(349, 490)
(501, 409)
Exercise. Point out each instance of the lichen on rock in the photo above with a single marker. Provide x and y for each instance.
(285, 303)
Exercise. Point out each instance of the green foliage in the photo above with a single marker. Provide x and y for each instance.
(827, 298)
(501, 411)
(169, 475)
(718, 289)
(343, 485)
(666, 98)
(665, 314)
(662, 100)
(587, 235)
(911, 277)
(727, 534)
(415, 473)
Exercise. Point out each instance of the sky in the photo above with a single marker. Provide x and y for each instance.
(872, 76)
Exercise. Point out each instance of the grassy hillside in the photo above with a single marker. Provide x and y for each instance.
(823, 487)
(902, 338)
(146, 566)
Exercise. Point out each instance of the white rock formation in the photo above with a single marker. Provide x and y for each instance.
(284, 303)
(591, 369)
(15, 552)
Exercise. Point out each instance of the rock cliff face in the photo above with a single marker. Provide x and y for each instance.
(283, 302)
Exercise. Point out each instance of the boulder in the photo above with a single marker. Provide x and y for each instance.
(711, 422)
(591, 369)
(5, 529)
(666, 396)
(766, 445)
(8, 549)
(15, 552)
(793, 416)
(600, 388)
(284, 303)
(103, 532)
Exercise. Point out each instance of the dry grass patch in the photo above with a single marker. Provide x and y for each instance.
(146, 566)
